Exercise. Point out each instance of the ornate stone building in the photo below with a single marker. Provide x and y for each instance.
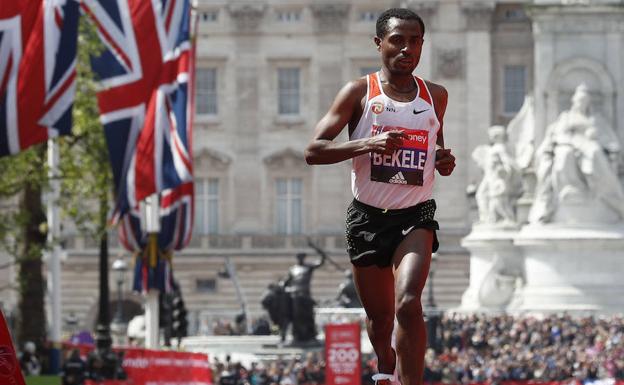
(267, 70)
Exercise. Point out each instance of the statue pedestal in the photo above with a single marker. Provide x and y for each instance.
(585, 210)
(495, 263)
(572, 268)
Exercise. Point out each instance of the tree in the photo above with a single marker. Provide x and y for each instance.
(85, 170)
(87, 180)
(86, 184)
(23, 235)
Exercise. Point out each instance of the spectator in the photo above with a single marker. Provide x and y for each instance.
(74, 370)
(28, 360)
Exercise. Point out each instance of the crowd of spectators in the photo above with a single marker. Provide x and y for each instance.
(479, 348)
(475, 348)
(309, 370)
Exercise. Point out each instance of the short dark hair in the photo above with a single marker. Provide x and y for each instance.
(399, 13)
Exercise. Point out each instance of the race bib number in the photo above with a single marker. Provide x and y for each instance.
(406, 164)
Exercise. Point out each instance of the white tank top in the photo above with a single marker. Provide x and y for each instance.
(404, 178)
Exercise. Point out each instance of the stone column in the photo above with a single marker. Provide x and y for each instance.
(427, 11)
(331, 18)
(478, 75)
(246, 174)
(544, 65)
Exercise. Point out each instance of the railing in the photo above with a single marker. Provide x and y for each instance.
(224, 242)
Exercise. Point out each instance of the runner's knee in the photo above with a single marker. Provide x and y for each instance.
(408, 309)
(382, 325)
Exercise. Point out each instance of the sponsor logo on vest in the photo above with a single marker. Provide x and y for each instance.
(390, 109)
(398, 178)
(377, 107)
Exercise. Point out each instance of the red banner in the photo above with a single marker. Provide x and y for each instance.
(342, 354)
(10, 372)
(163, 367)
(603, 381)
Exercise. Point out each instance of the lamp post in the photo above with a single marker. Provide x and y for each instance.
(433, 316)
(103, 363)
(120, 267)
(230, 272)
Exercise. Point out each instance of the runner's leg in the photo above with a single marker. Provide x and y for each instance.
(411, 264)
(375, 287)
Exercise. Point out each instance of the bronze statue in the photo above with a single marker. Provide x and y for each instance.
(277, 303)
(347, 293)
(290, 301)
(298, 287)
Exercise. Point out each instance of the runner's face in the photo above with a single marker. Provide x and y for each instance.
(401, 47)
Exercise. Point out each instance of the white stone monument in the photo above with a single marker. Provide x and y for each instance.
(495, 264)
(573, 246)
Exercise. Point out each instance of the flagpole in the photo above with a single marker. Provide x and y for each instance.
(152, 226)
(54, 256)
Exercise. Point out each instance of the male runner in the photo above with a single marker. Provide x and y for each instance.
(395, 141)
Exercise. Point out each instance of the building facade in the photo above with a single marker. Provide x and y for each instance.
(267, 71)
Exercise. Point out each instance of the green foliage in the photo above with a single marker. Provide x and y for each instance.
(86, 183)
(27, 168)
(85, 168)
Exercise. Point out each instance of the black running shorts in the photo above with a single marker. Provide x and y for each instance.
(373, 234)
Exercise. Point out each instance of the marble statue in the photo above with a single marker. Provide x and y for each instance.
(500, 282)
(521, 133)
(576, 165)
(501, 183)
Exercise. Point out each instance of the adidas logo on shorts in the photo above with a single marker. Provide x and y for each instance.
(398, 179)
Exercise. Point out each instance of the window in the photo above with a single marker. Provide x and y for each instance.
(368, 70)
(288, 16)
(210, 16)
(288, 84)
(515, 14)
(206, 285)
(288, 205)
(514, 88)
(207, 206)
(206, 94)
(369, 16)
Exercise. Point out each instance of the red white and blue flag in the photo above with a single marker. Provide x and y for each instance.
(176, 223)
(145, 103)
(37, 71)
(10, 372)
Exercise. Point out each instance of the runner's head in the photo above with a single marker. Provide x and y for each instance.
(398, 13)
(399, 39)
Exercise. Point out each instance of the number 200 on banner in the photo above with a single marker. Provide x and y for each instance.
(342, 354)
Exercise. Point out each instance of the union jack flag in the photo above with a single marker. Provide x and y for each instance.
(145, 103)
(37, 70)
(176, 222)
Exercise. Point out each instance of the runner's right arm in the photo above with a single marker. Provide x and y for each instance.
(347, 109)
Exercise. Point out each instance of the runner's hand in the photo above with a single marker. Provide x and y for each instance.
(445, 161)
(386, 142)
